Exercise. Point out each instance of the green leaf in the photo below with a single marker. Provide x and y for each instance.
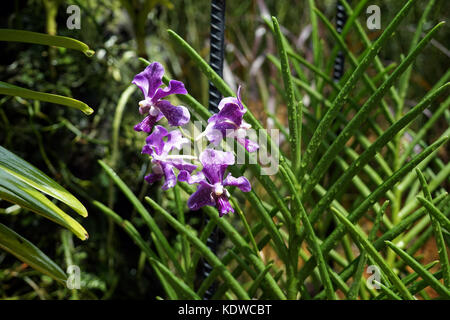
(18, 192)
(371, 251)
(355, 287)
(338, 102)
(256, 283)
(134, 234)
(12, 35)
(178, 283)
(362, 114)
(11, 90)
(417, 267)
(27, 252)
(34, 177)
(294, 133)
(434, 211)
(437, 230)
(161, 239)
(212, 259)
(356, 214)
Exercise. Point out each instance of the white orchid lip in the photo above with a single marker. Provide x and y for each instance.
(153, 111)
(144, 103)
(218, 189)
(146, 106)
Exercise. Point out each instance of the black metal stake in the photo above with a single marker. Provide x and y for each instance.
(341, 19)
(216, 56)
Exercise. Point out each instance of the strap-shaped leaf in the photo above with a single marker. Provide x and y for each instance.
(12, 90)
(34, 177)
(27, 252)
(434, 211)
(417, 267)
(17, 191)
(371, 251)
(13, 35)
(215, 262)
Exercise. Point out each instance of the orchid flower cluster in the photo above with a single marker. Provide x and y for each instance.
(228, 122)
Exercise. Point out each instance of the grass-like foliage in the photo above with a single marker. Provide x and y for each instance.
(356, 209)
(347, 159)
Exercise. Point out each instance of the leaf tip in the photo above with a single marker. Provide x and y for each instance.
(89, 53)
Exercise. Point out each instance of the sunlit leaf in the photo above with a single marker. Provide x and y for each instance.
(11, 90)
(27, 252)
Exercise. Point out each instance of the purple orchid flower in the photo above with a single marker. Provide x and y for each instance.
(163, 163)
(149, 81)
(211, 190)
(228, 122)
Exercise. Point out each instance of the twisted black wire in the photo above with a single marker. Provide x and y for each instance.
(216, 62)
(341, 19)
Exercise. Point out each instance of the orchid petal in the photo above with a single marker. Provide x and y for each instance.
(175, 87)
(155, 140)
(150, 79)
(176, 116)
(147, 124)
(241, 182)
(155, 175)
(185, 176)
(231, 112)
(169, 174)
(215, 163)
(175, 140)
(183, 165)
(223, 205)
(201, 197)
(249, 145)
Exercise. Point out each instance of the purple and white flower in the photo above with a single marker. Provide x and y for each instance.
(228, 122)
(158, 145)
(149, 81)
(211, 183)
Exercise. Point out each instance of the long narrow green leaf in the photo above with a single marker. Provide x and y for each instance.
(434, 211)
(338, 102)
(241, 245)
(184, 289)
(424, 129)
(379, 244)
(13, 35)
(256, 283)
(388, 291)
(11, 90)
(435, 223)
(212, 259)
(18, 192)
(371, 251)
(34, 177)
(404, 81)
(161, 239)
(294, 133)
(27, 252)
(353, 292)
(356, 214)
(338, 144)
(368, 154)
(129, 228)
(417, 267)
